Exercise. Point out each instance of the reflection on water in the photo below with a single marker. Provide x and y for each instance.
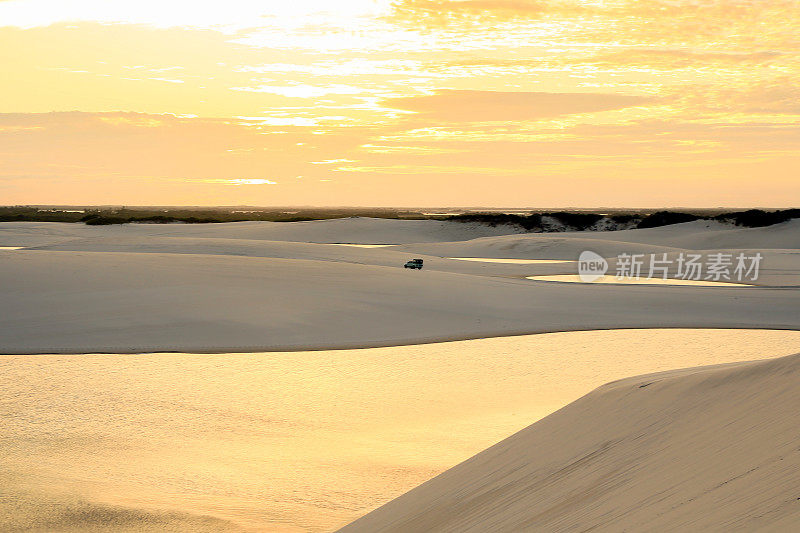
(297, 441)
(574, 278)
(11, 247)
(512, 261)
(363, 245)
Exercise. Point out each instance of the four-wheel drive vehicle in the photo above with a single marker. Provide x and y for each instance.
(414, 263)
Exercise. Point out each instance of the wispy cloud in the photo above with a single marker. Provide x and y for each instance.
(240, 181)
(494, 106)
(677, 59)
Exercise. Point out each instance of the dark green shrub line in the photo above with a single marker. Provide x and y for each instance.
(534, 222)
(101, 220)
(751, 218)
(756, 218)
(666, 218)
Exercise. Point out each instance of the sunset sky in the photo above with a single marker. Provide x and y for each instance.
(543, 103)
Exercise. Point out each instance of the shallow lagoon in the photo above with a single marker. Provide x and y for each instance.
(574, 278)
(296, 441)
(513, 261)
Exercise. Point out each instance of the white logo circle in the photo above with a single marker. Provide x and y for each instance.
(591, 266)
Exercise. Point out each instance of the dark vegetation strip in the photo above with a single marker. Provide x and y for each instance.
(535, 222)
(532, 222)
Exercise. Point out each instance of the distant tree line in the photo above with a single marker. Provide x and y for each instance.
(755, 218)
(533, 222)
(99, 216)
(95, 219)
(751, 218)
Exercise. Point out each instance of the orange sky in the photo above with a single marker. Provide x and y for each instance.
(409, 102)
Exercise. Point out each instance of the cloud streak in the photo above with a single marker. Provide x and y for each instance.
(500, 106)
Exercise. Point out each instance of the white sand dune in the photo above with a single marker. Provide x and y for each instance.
(704, 235)
(698, 235)
(564, 246)
(74, 302)
(706, 449)
(655, 457)
(226, 287)
(353, 230)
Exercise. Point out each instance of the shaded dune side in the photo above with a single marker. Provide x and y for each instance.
(700, 235)
(707, 449)
(342, 230)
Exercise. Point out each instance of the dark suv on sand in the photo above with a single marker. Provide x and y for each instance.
(414, 263)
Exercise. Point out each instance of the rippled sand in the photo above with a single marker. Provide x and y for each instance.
(298, 441)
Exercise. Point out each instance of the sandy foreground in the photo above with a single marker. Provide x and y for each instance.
(272, 442)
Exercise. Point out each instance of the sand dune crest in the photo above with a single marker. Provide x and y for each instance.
(707, 449)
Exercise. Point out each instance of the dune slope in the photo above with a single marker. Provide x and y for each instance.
(77, 302)
(707, 449)
(698, 235)
(340, 230)
(229, 287)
